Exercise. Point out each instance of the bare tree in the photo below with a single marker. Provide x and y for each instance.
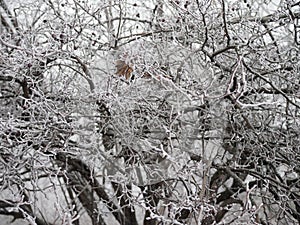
(149, 112)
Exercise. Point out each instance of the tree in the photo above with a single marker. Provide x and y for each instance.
(149, 112)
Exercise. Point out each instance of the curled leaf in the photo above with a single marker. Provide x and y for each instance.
(123, 69)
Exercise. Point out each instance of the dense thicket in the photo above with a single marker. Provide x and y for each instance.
(149, 112)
